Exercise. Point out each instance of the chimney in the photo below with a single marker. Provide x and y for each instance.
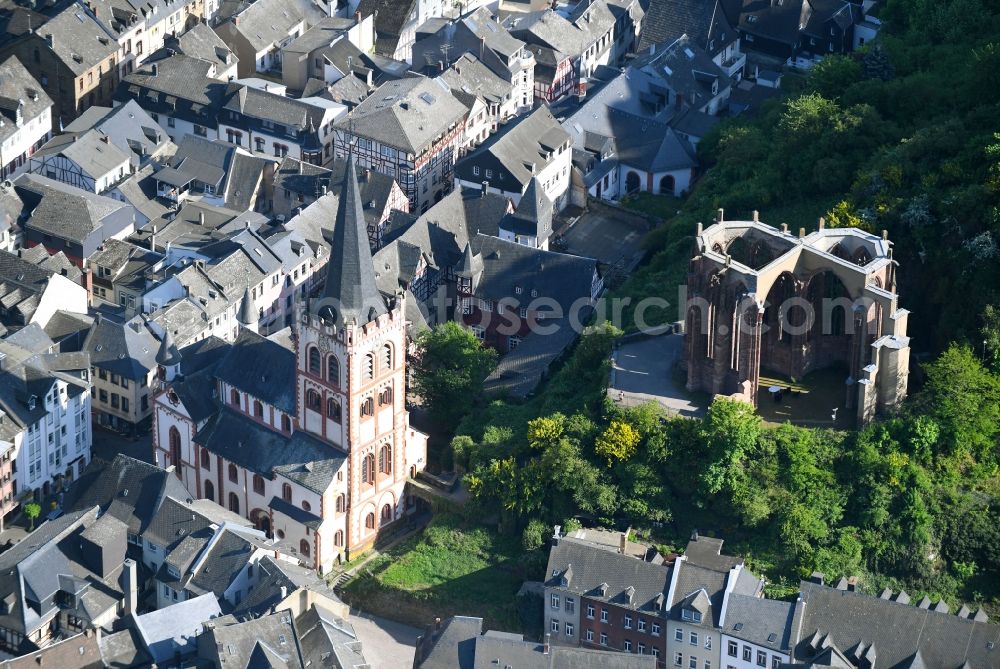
(852, 582)
(323, 189)
(486, 186)
(622, 542)
(802, 232)
(152, 240)
(817, 577)
(201, 218)
(130, 586)
(437, 623)
(284, 592)
(357, 16)
(822, 223)
(154, 68)
(51, 40)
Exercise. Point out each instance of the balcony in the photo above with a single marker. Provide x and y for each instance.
(734, 64)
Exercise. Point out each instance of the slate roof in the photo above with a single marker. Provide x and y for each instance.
(48, 560)
(175, 629)
(57, 263)
(532, 140)
(64, 211)
(764, 622)
(220, 566)
(309, 180)
(267, 642)
(407, 114)
(267, 593)
(31, 370)
(79, 42)
(127, 349)
(350, 285)
(200, 41)
(268, 22)
(128, 127)
(298, 457)
(175, 521)
(18, 89)
(80, 651)
(181, 87)
(126, 488)
(461, 644)
(324, 637)
(65, 325)
(707, 552)
(470, 76)
(519, 372)
(443, 231)
(300, 115)
(393, 15)
(258, 366)
(588, 567)
(692, 580)
(895, 632)
(702, 20)
(506, 265)
(687, 69)
(320, 34)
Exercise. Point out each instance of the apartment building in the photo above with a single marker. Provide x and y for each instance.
(25, 117)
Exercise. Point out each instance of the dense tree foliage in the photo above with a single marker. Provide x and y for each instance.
(901, 137)
(448, 371)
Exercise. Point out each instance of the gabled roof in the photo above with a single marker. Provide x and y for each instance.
(261, 368)
(460, 643)
(78, 41)
(65, 211)
(298, 457)
(392, 16)
(764, 622)
(324, 637)
(827, 618)
(269, 22)
(524, 148)
(702, 20)
(267, 642)
(127, 349)
(200, 41)
(126, 488)
(22, 98)
(407, 114)
(606, 576)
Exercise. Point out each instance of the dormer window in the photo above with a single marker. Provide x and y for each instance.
(691, 615)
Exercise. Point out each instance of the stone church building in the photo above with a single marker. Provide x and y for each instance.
(763, 299)
(309, 440)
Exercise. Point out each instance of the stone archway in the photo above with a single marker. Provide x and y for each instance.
(667, 184)
(632, 182)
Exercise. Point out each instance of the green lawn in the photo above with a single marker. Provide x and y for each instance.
(661, 206)
(451, 568)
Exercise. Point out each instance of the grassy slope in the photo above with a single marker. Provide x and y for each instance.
(451, 568)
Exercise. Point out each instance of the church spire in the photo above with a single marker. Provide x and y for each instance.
(350, 292)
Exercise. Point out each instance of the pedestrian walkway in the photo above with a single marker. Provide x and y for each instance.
(646, 370)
